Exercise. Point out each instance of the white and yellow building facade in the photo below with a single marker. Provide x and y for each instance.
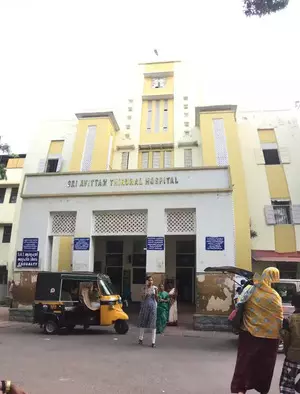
(9, 195)
(170, 189)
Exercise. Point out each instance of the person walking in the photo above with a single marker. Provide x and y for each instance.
(148, 312)
(290, 334)
(259, 336)
(173, 313)
(163, 307)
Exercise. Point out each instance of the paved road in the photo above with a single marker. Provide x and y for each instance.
(102, 362)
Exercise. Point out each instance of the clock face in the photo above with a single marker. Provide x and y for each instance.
(158, 83)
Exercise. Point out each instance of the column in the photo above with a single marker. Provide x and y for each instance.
(83, 246)
(155, 258)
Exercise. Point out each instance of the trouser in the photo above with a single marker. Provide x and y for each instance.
(142, 331)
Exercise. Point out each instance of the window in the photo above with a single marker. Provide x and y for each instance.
(157, 116)
(52, 165)
(285, 290)
(145, 160)
(165, 120)
(88, 148)
(13, 195)
(186, 114)
(167, 159)
(130, 101)
(149, 116)
(188, 159)
(129, 109)
(185, 98)
(186, 124)
(186, 106)
(124, 162)
(158, 83)
(129, 117)
(282, 212)
(2, 195)
(271, 157)
(6, 234)
(156, 160)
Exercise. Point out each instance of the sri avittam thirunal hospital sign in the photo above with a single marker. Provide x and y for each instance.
(98, 183)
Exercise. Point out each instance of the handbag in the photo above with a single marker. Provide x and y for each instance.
(237, 315)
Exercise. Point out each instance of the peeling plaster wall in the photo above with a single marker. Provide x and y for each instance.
(215, 294)
(24, 291)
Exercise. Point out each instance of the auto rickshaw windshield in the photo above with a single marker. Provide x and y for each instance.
(106, 287)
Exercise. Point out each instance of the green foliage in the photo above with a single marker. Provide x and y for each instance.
(263, 7)
(4, 148)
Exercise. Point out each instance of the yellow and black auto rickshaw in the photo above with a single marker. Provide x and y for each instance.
(65, 300)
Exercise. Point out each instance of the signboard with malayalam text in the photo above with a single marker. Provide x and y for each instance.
(155, 243)
(27, 259)
(81, 244)
(30, 244)
(215, 243)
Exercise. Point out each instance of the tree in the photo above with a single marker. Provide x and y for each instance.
(263, 7)
(4, 148)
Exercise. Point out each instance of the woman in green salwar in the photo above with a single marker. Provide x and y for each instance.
(162, 309)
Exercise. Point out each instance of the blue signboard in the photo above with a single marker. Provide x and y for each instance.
(27, 259)
(155, 243)
(214, 243)
(30, 244)
(81, 244)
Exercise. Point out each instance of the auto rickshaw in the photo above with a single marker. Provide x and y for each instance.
(65, 300)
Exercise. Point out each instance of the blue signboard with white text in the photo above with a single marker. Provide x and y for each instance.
(155, 243)
(81, 244)
(214, 243)
(30, 244)
(27, 259)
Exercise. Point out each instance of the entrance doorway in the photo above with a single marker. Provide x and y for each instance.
(114, 263)
(185, 270)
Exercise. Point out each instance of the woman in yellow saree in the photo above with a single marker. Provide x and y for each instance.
(259, 337)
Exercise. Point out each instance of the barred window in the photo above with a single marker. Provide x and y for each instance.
(124, 161)
(188, 160)
(282, 212)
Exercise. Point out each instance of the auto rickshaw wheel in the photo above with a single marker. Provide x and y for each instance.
(121, 327)
(50, 327)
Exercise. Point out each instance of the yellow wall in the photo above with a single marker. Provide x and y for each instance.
(278, 186)
(168, 89)
(104, 129)
(100, 152)
(65, 254)
(208, 141)
(56, 147)
(241, 212)
(267, 136)
(285, 238)
(159, 67)
(151, 137)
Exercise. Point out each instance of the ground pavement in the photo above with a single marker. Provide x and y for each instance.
(102, 362)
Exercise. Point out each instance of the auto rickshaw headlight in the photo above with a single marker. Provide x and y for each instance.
(45, 307)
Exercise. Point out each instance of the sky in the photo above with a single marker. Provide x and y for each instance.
(62, 57)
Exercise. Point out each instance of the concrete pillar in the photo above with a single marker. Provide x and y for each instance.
(53, 254)
(155, 259)
(83, 260)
